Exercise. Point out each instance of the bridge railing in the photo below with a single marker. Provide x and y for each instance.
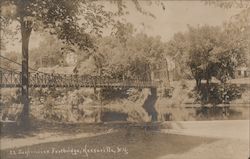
(13, 79)
(10, 79)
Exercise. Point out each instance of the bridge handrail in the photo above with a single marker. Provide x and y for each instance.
(71, 80)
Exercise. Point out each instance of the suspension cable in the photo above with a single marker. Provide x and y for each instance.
(9, 70)
(20, 64)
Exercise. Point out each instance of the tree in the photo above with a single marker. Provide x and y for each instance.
(239, 24)
(233, 50)
(123, 31)
(178, 49)
(129, 55)
(229, 4)
(238, 29)
(59, 17)
(212, 52)
(69, 20)
(203, 40)
(49, 53)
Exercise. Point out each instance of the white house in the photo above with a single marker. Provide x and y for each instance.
(242, 71)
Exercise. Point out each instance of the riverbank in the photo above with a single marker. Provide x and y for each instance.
(220, 149)
(226, 129)
(169, 140)
(123, 144)
(232, 139)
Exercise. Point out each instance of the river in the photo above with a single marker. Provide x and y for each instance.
(124, 143)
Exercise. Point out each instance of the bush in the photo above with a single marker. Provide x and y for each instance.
(219, 94)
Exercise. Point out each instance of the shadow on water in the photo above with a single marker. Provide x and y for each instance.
(134, 142)
(42, 126)
(113, 116)
(149, 104)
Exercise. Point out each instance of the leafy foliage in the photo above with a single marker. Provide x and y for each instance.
(59, 17)
(129, 55)
(229, 4)
(213, 52)
(219, 94)
(210, 51)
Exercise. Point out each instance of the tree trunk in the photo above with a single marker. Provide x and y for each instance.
(208, 89)
(198, 83)
(26, 28)
(168, 78)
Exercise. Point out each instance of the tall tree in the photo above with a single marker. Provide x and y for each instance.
(69, 20)
(203, 40)
(60, 17)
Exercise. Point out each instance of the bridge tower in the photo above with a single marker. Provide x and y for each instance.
(160, 75)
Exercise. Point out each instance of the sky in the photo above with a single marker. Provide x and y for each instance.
(175, 18)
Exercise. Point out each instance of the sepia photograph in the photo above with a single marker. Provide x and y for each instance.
(124, 79)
